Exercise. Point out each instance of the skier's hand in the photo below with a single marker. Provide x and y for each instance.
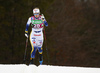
(32, 25)
(43, 18)
(26, 34)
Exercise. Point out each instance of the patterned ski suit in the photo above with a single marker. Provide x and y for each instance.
(36, 35)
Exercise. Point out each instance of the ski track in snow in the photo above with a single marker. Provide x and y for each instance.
(22, 68)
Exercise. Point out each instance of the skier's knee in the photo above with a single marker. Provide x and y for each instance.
(40, 50)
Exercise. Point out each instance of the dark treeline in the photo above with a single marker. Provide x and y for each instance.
(73, 34)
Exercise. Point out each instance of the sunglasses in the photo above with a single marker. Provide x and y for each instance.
(36, 14)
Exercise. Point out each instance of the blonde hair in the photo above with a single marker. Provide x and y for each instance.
(36, 8)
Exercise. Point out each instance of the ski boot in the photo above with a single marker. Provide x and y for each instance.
(31, 61)
(41, 59)
(41, 62)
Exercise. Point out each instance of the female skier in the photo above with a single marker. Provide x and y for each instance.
(36, 36)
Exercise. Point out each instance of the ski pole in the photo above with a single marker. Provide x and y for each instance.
(25, 50)
(46, 45)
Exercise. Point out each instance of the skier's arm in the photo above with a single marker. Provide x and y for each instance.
(27, 26)
(44, 20)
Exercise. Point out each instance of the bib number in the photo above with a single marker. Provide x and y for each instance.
(37, 23)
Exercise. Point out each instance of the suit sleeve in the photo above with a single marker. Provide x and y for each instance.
(45, 23)
(27, 25)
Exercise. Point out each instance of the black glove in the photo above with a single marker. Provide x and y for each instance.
(32, 25)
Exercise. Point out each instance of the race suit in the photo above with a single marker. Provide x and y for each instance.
(36, 35)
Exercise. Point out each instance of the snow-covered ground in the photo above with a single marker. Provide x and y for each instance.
(21, 68)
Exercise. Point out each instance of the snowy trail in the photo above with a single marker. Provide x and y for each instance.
(21, 68)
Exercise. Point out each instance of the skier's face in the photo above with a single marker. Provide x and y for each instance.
(36, 15)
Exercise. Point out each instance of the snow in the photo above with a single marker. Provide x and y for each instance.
(22, 68)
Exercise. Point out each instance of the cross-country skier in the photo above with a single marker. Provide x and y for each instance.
(36, 36)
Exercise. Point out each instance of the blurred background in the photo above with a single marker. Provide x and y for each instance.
(73, 34)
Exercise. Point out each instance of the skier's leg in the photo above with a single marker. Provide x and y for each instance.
(33, 44)
(40, 50)
(41, 59)
(33, 55)
(40, 55)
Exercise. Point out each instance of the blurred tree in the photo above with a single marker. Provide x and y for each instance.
(72, 35)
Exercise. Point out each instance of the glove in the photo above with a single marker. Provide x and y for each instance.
(26, 34)
(43, 18)
(32, 25)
